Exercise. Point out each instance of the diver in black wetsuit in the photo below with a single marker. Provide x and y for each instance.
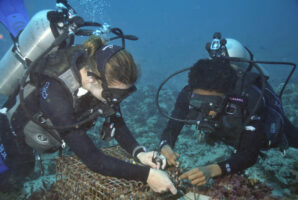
(93, 77)
(213, 99)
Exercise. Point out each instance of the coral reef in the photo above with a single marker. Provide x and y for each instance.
(237, 187)
(290, 99)
(145, 122)
(229, 187)
(275, 170)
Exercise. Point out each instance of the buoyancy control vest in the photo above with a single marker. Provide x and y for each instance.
(59, 65)
(271, 116)
(274, 121)
(238, 108)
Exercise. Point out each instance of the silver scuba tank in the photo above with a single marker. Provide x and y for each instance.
(236, 49)
(33, 41)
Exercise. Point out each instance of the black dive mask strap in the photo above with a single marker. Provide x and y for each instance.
(102, 57)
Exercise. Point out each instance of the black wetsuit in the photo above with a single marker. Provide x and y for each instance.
(59, 108)
(248, 145)
(56, 103)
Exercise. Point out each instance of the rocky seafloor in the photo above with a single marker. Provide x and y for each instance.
(143, 119)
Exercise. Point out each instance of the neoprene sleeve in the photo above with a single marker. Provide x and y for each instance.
(245, 157)
(57, 105)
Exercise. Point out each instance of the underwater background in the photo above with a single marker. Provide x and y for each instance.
(172, 35)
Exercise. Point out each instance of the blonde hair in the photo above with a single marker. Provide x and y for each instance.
(120, 67)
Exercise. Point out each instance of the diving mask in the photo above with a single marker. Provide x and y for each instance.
(204, 109)
(207, 103)
(115, 95)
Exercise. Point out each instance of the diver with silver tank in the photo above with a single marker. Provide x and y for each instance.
(56, 91)
(228, 99)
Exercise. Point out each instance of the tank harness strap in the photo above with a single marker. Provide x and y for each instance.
(283, 144)
(19, 56)
(244, 81)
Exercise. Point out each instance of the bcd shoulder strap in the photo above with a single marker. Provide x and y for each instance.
(54, 64)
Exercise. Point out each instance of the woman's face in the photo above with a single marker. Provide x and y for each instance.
(93, 85)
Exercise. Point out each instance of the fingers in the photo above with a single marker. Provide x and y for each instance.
(164, 162)
(195, 176)
(172, 160)
(198, 178)
(199, 181)
(150, 160)
(170, 186)
(159, 160)
(186, 174)
(146, 159)
(158, 165)
(173, 189)
(190, 173)
(159, 181)
(153, 165)
(170, 155)
(183, 176)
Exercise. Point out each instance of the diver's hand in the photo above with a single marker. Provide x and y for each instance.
(196, 176)
(159, 182)
(201, 175)
(146, 158)
(170, 155)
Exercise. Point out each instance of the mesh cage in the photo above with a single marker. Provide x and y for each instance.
(75, 181)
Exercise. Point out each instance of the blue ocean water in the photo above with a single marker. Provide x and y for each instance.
(172, 33)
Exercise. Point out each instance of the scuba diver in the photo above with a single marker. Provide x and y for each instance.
(228, 101)
(62, 92)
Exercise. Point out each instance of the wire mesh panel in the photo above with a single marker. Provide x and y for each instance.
(76, 181)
